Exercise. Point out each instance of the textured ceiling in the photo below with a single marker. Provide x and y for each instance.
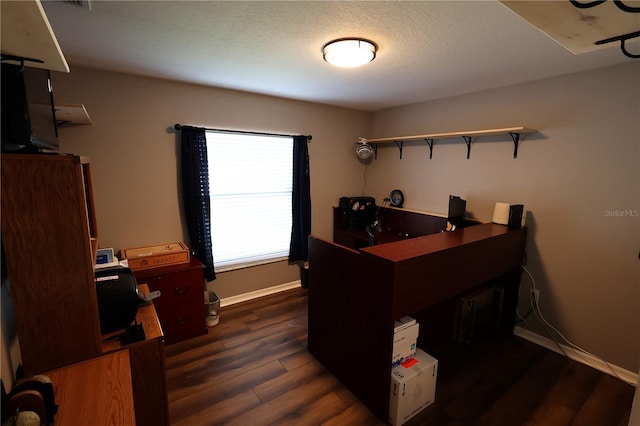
(427, 49)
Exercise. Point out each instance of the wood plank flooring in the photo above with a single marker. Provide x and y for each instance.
(254, 369)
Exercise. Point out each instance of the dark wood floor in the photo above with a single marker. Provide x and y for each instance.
(254, 369)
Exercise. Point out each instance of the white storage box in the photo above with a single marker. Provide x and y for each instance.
(413, 387)
(405, 338)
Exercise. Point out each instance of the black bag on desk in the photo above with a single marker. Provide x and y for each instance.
(357, 212)
(117, 292)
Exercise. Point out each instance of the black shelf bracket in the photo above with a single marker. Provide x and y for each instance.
(430, 143)
(399, 145)
(516, 139)
(375, 150)
(622, 39)
(467, 139)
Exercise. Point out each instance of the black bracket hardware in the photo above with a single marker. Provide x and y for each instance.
(621, 5)
(375, 150)
(21, 59)
(588, 5)
(399, 145)
(622, 39)
(467, 139)
(430, 143)
(516, 139)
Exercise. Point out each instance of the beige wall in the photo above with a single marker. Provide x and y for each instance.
(133, 149)
(583, 162)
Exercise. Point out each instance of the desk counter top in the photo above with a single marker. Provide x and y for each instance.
(98, 391)
(410, 249)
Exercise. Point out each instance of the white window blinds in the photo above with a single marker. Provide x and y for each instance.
(250, 184)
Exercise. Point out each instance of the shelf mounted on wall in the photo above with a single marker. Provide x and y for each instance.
(467, 136)
(71, 114)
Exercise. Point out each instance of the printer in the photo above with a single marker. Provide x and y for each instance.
(117, 293)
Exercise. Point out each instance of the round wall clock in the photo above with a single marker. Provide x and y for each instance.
(397, 198)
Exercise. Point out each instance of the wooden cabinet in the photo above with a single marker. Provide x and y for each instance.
(181, 304)
(49, 235)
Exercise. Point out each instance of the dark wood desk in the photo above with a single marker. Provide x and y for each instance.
(356, 295)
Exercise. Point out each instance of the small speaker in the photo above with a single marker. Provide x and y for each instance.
(515, 216)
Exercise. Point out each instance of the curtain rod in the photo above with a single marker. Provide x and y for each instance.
(309, 137)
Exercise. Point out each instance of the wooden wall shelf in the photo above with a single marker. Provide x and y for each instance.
(467, 136)
(26, 33)
(71, 114)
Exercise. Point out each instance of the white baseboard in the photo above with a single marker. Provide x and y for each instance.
(232, 300)
(581, 357)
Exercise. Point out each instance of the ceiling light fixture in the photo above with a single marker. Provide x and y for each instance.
(349, 52)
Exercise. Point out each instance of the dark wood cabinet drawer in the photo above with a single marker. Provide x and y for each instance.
(181, 304)
(184, 322)
(181, 288)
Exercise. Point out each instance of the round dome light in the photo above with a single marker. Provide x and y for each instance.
(349, 53)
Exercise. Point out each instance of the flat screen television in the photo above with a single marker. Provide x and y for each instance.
(28, 115)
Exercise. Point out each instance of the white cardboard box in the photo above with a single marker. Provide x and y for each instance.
(405, 338)
(413, 388)
(403, 323)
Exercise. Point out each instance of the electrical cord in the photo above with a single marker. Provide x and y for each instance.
(523, 319)
(364, 179)
(536, 310)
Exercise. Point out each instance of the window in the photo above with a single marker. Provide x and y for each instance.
(250, 186)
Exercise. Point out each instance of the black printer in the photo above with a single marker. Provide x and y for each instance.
(357, 212)
(117, 292)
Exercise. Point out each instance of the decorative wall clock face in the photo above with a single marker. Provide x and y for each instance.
(397, 198)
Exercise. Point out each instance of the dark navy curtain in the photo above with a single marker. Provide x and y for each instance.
(195, 195)
(301, 201)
